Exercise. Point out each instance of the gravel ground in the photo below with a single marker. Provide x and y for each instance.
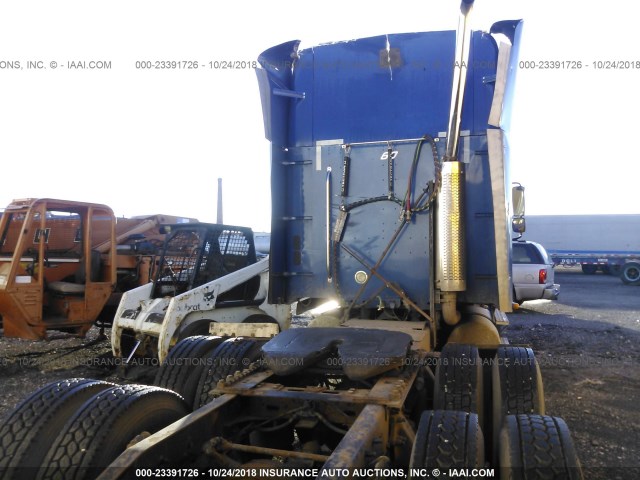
(588, 346)
(587, 342)
(27, 365)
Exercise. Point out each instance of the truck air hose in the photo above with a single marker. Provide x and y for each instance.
(414, 207)
(346, 168)
(406, 204)
(390, 172)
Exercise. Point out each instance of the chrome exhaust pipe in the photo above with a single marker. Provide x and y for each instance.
(463, 45)
(450, 255)
(450, 267)
(451, 240)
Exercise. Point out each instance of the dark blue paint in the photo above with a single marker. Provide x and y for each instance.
(349, 94)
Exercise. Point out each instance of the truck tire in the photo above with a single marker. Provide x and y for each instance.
(105, 425)
(515, 298)
(28, 431)
(517, 382)
(458, 380)
(537, 446)
(230, 356)
(517, 386)
(447, 439)
(589, 269)
(630, 274)
(183, 367)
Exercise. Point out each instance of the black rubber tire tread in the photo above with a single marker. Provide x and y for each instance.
(589, 269)
(517, 386)
(28, 431)
(515, 298)
(182, 368)
(447, 439)
(517, 382)
(230, 356)
(537, 447)
(458, 384)
(103, 427)
(624, 273)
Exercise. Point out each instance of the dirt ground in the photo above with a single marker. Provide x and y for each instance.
(587, 343)
(588, 347)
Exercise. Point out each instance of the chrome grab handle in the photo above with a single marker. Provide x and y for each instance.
(328, 223)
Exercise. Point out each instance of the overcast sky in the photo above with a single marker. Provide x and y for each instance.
(155, 141)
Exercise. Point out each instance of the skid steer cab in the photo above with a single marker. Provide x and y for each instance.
(57, 270)
(208, 280)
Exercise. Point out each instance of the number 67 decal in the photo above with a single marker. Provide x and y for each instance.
(385, 155)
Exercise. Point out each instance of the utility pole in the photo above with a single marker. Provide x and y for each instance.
(219, 217)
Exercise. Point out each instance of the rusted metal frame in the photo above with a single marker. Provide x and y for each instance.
(274, 390)
(402, 437)
(388, 390)
(192, 431)
(404, 427)
(299, 411)
(376, 429)
(246, 382)
(225, 445)
(369, 434)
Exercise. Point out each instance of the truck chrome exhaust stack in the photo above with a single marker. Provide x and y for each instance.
(451, 240)
(450, 254)
(463, 45)
(450, 267)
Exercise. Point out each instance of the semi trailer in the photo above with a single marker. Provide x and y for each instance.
(607, 243)
(390, 197)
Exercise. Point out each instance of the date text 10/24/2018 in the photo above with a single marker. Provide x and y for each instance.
(579, 65)
(196, 65)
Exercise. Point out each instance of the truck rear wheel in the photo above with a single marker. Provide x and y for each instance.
(458, 382)
(106, 424)
(630, 274)
(183, 367)
(517, 386)
(537, 446)
(28, 431)
(515, 297)
(447, 439)
(589, 269)
(230, 356)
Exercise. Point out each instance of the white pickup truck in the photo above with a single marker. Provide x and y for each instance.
(533, 276)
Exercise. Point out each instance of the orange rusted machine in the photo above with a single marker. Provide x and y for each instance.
(59, 268)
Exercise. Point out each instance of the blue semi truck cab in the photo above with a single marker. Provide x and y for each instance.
(371, 206)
